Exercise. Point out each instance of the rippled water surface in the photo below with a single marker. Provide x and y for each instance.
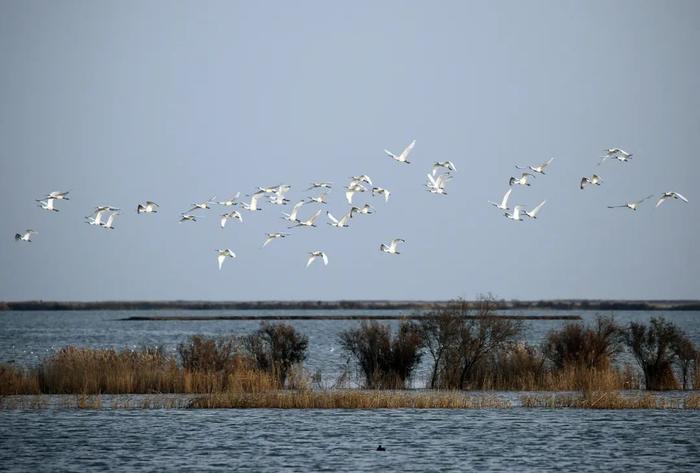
(516, 439)
(339, 440)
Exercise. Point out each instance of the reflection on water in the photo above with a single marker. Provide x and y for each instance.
(337, 440)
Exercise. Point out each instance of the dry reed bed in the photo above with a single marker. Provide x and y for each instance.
(610, 400)
(348, 399)
(351, 399)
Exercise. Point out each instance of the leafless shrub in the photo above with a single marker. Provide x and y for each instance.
(653, 347)
(385, 362)
(276, 348)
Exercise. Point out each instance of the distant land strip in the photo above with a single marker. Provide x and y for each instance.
(334, 317)
(559, 304)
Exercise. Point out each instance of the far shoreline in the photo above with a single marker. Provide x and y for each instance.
(407, 305)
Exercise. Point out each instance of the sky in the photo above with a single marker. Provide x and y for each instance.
(122, 102)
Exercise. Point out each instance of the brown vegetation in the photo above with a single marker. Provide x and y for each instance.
(385, 362)
(349, 399)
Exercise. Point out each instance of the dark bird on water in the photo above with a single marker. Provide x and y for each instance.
(381, 449)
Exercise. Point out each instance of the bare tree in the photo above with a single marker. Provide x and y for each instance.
(385, 362)
(686, 356)
(276, 348)
(441, 334)
(652, 346)
(576, 345)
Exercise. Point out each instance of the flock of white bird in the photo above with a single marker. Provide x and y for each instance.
(438, 178)
(611, 153)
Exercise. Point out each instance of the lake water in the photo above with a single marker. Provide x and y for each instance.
(516, 439)
(345, 440)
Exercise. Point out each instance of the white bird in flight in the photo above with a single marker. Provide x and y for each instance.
(110, 221)
(631, 205)
(230, 202)
(436, 185)
(187, 218)
(403, 157)
(364, 210)
(522, 180)
(594, 179)
(292, 216)
(352, 190)
(504, 203)
(274, 236)
(96, 217)
(279, 198)
(343, 222)
(381, 191)
(48, 204)
(58, 195)
(202, 205)
(320, 185)
(538, 168)
(449, 165)
(391, 248)
(615, 153)
(314, 255)
(222, 255)
(516, 214)
(253, 205)
(321, 199)
(362, 178)
(670, 195)
(26, 236)
(234, 214)
(310, 222)
(147, 208)
(533, 213)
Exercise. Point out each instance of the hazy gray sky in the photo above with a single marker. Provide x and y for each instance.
(120, 102)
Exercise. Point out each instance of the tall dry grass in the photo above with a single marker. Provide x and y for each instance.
(610, 400)
(348, 399)
(14, 380)
(87, 371)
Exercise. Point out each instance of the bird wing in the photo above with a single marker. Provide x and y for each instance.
(344, 220)
(537, 209)
(547, 163)
(516, 212)
(348, 196)
(432, 180)
(390, 153)
(313, 218)
(616, 206)
(223, 220)
(442, 179)
(332, 218)
(451, 165)
(645, 198)
(394, 243)
(504, 202)
(407, 151)
(311, 260)
(325, 259)
(386, 195)
(221, 258)
(661, 200)
(681, 197)
(295, 210)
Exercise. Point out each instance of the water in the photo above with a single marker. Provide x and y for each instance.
(342, 440)
(516, 439)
